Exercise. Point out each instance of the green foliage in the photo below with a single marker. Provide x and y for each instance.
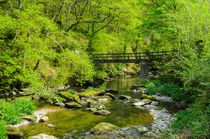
(142, 82)
(150, 88)
(11, 112)
(168, 89)
(3, 134)
(90, 88)
(102, 88)
(195, 119)
(75, 68)
(72, 91)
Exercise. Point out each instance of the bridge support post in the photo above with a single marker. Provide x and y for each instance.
(144, 70)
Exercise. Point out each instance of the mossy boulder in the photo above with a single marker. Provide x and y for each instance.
(92, 103)
(148, 97)
(102, 112)
(104, 128)
(124, 97)
(91, 109)
(89, 93)
(69, 97)
(13, 132)
(73, 105)
(110, 95)
(30, 118)
(111, 91)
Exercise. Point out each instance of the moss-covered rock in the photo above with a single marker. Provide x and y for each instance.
(111, 91)
(13, 132)
(110, 95)
(147, 100)
(30, 118)
(91, 103)
(124, 97)
(69, 97)
(73, 105)
(148, 97)
(102, 112)
(89, 93)
(104, 128)
(91, 109)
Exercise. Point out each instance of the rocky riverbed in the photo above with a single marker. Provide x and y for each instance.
(133, 113)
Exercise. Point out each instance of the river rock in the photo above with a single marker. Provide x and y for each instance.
(95, 104)
(111, 135)
(111, 91)
(150, 134)
(102, 98)
(13, 132)
(102, 112)
(148, 97)
(59, 104)
(44, 119)
(50, 125)
(132, 132)
(103, 128)
(124, 97)
(155, 103)
(91, 109)
(141, 129)
(135, 100)
(73, 105)
(151, 107)
(43, 136)
(30, 118)
(141, 103)
(135, 131)
(111, 95)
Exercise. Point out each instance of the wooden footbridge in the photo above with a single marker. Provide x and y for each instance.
(144, 58)
(160, 56)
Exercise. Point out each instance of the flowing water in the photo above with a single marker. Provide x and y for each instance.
(78, 122)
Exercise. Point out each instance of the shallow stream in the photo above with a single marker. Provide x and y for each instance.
(77, 123)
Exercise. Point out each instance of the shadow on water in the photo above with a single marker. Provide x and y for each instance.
(78, 121)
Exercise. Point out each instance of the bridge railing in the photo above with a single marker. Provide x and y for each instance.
(132, 57)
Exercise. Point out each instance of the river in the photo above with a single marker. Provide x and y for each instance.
(77, 123)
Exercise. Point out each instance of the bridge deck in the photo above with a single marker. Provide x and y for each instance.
(132, 57)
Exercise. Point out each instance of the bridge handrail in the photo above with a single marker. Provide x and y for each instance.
(134, 57)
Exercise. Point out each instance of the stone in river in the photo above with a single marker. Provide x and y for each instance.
(124, 97)
(44, 119)
(102, 112)
(103, 128)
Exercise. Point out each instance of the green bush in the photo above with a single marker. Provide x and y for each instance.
(3, 134)
(172, 90)
(90, 88)
(142, 82)
(150, 87)
(196, 119)
(11, 112)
